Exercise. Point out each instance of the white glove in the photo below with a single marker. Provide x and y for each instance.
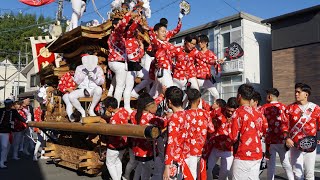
(180, 15)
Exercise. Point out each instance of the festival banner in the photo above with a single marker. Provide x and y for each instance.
(36, 2)
(41, 55)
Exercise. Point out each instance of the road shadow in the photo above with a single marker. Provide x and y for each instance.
(25, 168)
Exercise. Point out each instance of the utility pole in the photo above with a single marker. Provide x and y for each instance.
(26, 54)
(19, 69)
(59, 12)
(5, 79)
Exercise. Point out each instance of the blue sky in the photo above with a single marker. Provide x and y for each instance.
(202, 11)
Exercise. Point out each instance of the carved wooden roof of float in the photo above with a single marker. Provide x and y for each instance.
(82, 38)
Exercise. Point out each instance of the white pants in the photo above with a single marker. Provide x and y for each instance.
(144, 74)
(4, 140)
(165, 80)
(284, 159)
(245, 169)
(119, 80)
(26, 141)
(95, 93)
(193, 164)
(78, 7)
(182, 83)
(131, 75)
(17, 139)
(208, 85)
(69, 108)
(132, 164)
(114, 164)
(225, 166)
(303, 164)
(146, 170)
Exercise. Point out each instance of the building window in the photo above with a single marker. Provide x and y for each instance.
(230, 85)
(22, 89)
(228, 80)
(34, 80)
(229, 91)
(229, 33)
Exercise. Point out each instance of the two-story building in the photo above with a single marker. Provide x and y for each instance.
(255, 39)
(296, 52)
(33, 81)
(12, 82)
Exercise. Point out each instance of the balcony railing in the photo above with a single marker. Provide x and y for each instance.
(233, 66)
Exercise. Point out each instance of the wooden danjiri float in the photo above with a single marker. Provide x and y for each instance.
(79, 146)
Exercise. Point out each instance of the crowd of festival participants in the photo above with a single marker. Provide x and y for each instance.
(15, 135)
(194, 134)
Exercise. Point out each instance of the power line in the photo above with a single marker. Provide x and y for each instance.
(97, 9)
(231, 6)
(166, 6)
(26, 27)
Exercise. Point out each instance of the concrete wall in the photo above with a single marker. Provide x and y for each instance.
(257, 55)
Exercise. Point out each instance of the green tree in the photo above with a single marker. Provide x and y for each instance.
(15, 29)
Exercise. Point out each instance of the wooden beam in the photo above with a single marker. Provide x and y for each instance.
(137, 131)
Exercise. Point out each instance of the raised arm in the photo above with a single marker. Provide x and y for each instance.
(175, 31)
(123, 23)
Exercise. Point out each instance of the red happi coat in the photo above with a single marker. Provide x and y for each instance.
(177, 147)
(144, 147)
(66, 82)
(204, 61)
(275, 115)
(173, 32)
(37, 117)
(293, 114)
(163, 52)
(22, 113)
(221, 138)
(184, 63)
(116, 41)
(200, 125)
(133, 49)
(246, 121)
(118, 142)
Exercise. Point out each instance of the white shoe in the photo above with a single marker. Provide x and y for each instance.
(91, 113)
(2, 166)
(134, 94)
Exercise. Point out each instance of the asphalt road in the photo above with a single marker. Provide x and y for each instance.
(26, 169)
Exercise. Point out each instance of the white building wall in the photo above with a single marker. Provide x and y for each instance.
(14, 79)
(29, 74)
(257, 55)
